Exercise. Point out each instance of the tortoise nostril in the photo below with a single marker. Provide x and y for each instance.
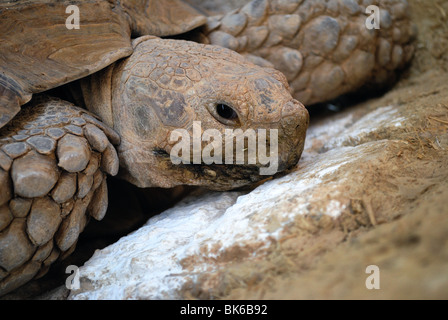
(292, 116)
(292, 124)
(292, 108)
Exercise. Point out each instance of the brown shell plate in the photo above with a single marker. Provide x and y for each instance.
(39, 52)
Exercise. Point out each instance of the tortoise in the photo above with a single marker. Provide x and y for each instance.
(109, 94)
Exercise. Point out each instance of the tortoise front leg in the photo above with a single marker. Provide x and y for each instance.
(54, 158)
(324, 48)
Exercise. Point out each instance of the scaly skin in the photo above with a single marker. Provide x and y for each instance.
(54, 158)
(323, 47)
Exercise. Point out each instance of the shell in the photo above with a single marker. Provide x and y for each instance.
(105, 37)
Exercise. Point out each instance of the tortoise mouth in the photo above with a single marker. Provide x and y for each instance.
(214, 176)
(223, 177)
(154, 167)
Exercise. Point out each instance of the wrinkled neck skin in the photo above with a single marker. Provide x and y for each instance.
(168, 85)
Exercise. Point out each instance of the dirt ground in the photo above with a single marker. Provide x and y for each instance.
(412, 250)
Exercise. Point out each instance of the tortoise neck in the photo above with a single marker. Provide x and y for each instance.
(97, 94)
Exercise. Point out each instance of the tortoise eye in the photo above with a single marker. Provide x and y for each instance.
(226, 112)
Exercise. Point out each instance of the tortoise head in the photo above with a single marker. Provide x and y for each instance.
(193, 114)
